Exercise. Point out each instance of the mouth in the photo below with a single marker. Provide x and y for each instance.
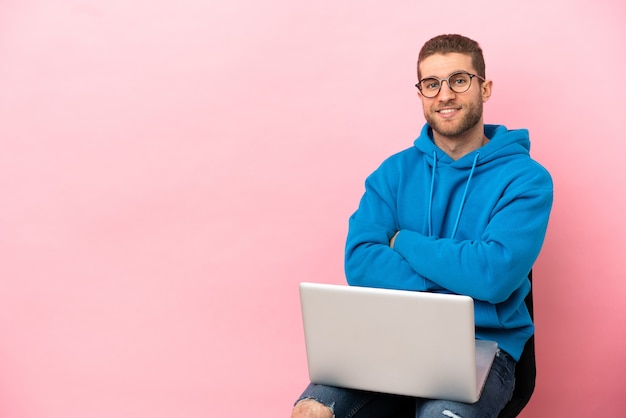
(448, 112)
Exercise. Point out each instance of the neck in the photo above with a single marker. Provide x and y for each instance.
(458, 146)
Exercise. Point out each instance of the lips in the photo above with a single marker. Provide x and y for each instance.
(448, 111)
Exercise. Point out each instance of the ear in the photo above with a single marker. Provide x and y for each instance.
(485, 90)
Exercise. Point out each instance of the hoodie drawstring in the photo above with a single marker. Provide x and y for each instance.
(432, 189)
(458, 216)
(430, 200)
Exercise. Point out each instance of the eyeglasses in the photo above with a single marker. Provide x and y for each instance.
(459, 82)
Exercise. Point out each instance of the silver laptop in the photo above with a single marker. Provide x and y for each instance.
(392, 341)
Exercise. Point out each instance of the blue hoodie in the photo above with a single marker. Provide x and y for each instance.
(473, 226)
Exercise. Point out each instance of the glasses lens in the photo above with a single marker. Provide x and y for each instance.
(460, 82)
(430, 87)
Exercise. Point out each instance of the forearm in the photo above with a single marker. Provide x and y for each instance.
(370, 261)
(484, 271)
(489, 267)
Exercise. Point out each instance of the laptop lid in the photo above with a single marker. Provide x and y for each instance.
(407, 343)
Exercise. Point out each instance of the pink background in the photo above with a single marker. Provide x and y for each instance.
(171, 170)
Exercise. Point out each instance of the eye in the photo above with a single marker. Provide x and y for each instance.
(430, 84)
(459, 79)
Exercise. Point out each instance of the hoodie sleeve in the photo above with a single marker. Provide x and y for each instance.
(369, 260)
(493, 267)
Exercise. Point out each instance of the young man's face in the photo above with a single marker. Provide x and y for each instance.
(452, 114)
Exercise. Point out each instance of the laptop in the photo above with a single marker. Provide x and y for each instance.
(416, 344)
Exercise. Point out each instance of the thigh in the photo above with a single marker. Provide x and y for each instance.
(350, 403)
(497, 391)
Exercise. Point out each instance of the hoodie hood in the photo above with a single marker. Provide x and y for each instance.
(502, 142)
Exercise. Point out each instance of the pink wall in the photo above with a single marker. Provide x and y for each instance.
(171, 170)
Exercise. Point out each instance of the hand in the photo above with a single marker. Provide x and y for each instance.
(393, 239)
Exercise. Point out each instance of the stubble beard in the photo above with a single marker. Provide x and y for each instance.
(451, 130)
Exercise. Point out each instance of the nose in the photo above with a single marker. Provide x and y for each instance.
(445, 92)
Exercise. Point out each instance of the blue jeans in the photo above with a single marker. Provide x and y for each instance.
(350, 403)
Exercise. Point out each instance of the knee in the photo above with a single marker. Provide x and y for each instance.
(309, 408)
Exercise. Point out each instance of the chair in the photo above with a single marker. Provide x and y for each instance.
(525, 371)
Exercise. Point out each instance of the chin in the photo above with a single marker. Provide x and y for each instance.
(451, 131)
(455, 128)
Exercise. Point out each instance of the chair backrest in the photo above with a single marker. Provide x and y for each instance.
(525, 371)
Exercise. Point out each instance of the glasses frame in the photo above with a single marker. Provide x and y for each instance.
(447, 80)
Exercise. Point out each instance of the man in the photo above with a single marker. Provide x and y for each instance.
(464, 211)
